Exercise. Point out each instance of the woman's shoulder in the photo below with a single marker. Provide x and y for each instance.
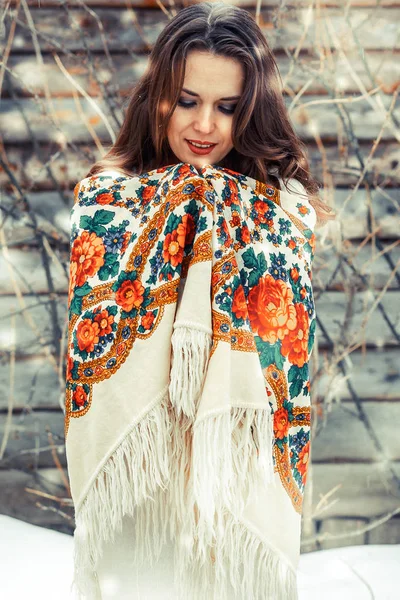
(94, 183)
(295, 199)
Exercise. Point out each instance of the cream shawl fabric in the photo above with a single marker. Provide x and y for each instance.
(191, 323)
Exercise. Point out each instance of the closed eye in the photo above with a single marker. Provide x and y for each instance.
(226, 110)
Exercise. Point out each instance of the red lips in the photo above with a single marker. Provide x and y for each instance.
(201, 142)
(201, 151)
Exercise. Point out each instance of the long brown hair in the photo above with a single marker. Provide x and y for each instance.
(262, 135)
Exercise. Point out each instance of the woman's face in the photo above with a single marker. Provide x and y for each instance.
(204, 113)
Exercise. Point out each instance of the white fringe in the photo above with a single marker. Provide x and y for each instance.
(225, 452)
(232, 458)
(191, 350)
(137, 471)
(196, 479)
(240, 566)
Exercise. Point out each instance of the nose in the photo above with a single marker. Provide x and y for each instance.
(204, 122)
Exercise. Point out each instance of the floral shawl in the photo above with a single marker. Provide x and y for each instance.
(191, 323)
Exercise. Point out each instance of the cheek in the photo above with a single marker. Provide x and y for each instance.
(227, 132)
(178, 122)
(171, 127)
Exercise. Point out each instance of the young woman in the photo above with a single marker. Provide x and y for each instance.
(217, 51)
(191, 326)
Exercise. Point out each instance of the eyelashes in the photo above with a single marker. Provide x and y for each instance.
(223, 109)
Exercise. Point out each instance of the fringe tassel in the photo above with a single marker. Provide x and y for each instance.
(239, 567)
(191, 350)
(228, 452)
(232, 457)
(134, 475)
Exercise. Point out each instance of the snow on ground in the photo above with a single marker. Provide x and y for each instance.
(352, 573)
(37, 562)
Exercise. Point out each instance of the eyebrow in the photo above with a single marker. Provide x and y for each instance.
(197, 95)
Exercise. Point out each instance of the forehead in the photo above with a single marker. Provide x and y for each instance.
(210, 75)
